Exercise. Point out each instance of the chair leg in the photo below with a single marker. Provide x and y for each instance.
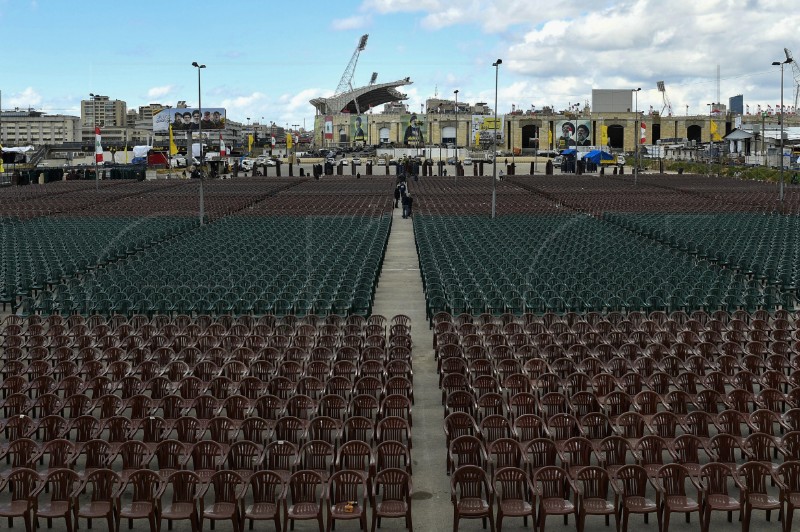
(666, 521)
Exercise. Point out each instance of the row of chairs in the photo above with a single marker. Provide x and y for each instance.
(593, 491)
(264, 496)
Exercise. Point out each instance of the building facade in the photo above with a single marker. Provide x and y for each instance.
(23, 128)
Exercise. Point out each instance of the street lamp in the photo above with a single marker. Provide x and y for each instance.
(94, 119)
(456, 93)
(199, 67)
(781, 63)
(710, 136)
(496, 66)
(294, 144)
(636, 133)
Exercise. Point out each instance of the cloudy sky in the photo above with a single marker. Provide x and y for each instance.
(266, 58)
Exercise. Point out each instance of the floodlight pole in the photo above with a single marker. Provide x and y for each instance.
(200, 132)
(496, 66)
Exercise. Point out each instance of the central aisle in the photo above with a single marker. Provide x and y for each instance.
(400, 292)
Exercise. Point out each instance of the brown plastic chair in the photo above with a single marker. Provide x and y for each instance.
(515, 495)
(347, 498)
(318, 456)
(186, 486)
(22, 484)
(355, 456)
(472, 495)
(244, 458)
(552, 489)
(171, 456)
(135, 455)
(592, 484)
(674, 496)
(62, 484)
(466, 450)
(101, 486)
(392, 454)
(143, 503)
(754, 476)
(686, 450)
(281, 457)
(789, 475)
(391, 497)
(268, 491)
(228, 488)
(630, 483)
(305, 498)
(714, 478)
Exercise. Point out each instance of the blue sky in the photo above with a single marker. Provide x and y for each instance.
(268, 58)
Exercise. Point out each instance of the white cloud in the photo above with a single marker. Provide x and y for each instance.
(160, 92)
(29, 97)
(356, 22)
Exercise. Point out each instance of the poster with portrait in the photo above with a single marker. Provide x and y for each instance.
(414, 129)
(485, 131)
(358, 128)
(571, 133)
(189, 119)
(328, 127)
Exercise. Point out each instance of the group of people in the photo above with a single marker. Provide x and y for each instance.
(193, 121)
(403, 196)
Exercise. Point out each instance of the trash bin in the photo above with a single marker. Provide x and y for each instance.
(548, 168)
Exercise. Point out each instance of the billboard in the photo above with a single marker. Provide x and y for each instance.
(358, 128)
(189, 119)
(328, 127)
(485, 130)
(415, 129)
(573, 133)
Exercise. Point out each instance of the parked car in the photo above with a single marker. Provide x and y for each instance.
(247, 164)
(381, 162)
(356, 161)
(467, 161)
(271, 162)
(345, 162)
(452, 160)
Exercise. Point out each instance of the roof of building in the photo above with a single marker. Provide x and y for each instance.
(361, 99)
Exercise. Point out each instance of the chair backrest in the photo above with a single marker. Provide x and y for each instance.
(470, 481)
(392, 485)
(305, 487)
(145, 484)
(552, 482)
(266, 486)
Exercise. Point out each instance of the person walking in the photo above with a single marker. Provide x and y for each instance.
(396, 195)
(408, 202)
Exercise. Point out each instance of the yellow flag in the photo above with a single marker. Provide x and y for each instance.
(604, 135)
(249, 143)
(126, 149)
(715, 132)
(549, 138)
(288, 141)
(173, 149)
(1, 159)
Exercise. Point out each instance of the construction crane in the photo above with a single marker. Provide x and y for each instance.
(665, 98)
(345, 84)
(796, 72)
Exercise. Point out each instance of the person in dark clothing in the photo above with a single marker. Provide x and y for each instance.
(396, 195)
(408, 202)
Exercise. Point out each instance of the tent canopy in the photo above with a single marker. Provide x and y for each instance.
(569, 151)
(597, 156)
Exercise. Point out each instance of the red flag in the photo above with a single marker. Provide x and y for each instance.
(643, 133)
(222, 150)
(98, 149)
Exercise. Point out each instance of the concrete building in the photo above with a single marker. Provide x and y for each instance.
(22, 128)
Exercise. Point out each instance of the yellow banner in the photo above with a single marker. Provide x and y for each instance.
(715, 136)
(1, 159)
(549, 138)
(604, 135)
(173, 149)
(289, 141)
(249, 143)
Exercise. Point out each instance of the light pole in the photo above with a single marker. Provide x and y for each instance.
(294, 144)
(199, 67)
(636, 134)
(456, 93)
(781, 63)
(94, 120)
(496, 66)
(710, 136)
